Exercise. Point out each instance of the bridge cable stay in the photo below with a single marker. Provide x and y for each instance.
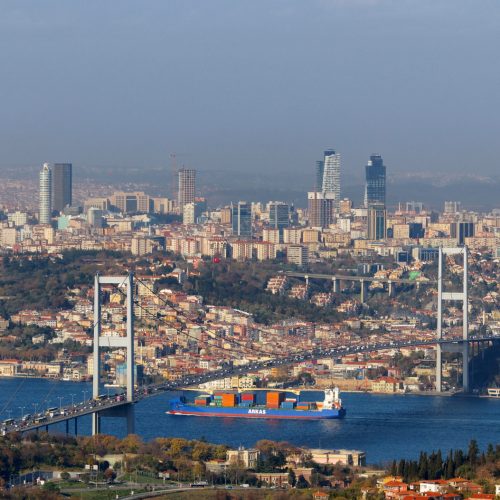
(5, 407)
(176, 308)
(49, 393)
(92, 328)
(180, 311)
(186, 334)
(305, 353)
(479, 270)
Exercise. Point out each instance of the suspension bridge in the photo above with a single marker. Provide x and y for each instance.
(102, 406)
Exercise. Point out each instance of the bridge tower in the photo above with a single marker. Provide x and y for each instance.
(463, 297)
(127, 343)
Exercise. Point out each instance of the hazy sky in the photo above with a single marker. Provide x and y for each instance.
(262, 84)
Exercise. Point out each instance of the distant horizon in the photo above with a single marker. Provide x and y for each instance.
(252, 85)
(475, 192)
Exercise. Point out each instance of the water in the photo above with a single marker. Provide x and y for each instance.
(385, 426)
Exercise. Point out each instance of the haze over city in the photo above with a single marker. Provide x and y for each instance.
(251, 86)
(249, 250)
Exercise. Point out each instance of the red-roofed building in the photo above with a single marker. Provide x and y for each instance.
(393, 489)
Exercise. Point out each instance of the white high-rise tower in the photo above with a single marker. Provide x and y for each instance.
(331, 175)
(45, 207)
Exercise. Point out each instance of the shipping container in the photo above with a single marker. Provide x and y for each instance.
(229, 400)
(248, 396)
(275, 397)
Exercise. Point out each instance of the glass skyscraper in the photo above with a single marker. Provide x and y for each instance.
(279, 215)
(331, 175)
(377, 222)
(375, 181)
(320, 169)
(62, 185)
(242, 219)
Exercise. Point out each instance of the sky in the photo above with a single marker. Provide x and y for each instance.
(251, 85)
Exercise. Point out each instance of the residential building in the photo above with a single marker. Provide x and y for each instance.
(320, 209)
(191, 212)
(298, 255)
(246, 457)
(187, 187)
(452, 207)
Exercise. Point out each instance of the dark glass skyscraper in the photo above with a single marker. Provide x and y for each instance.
(375, 181)
(242, 219)
(279, 215)
(320, 168)
(62, 185)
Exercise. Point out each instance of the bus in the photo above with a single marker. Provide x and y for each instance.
(53, 412)
(40, 419)
(199, 484)
(8, 422)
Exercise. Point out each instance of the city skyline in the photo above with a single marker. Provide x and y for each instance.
(428, 104)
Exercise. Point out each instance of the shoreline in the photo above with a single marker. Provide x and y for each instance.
(195, 389)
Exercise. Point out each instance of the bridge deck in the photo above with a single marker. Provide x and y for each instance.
(356, 278)
(190, 380)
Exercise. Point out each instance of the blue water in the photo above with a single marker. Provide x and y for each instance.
(385, 426)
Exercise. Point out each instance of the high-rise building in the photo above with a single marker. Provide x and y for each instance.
(320, 169)
(464, 230)
(192, 212)
(187, 187)
(452, 207)
(375, 187)
(62, 185)
(242, 219)
(331, 175)
(377, 222)
(298, 255)
(320, 207)
(45, 201)
(279, 215)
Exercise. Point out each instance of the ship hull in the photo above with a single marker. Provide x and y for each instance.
(269, 413)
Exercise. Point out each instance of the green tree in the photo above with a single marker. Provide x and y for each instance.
(301, 482)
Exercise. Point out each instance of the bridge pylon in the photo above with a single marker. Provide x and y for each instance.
(126, 343)
(463, 297)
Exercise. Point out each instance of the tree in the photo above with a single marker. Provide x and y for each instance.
(394, 468)
(110, 475)
(449, 467)
(50, 487)
(473, 453)
(302, 483)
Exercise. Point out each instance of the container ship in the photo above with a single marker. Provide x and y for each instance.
(244, 405)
